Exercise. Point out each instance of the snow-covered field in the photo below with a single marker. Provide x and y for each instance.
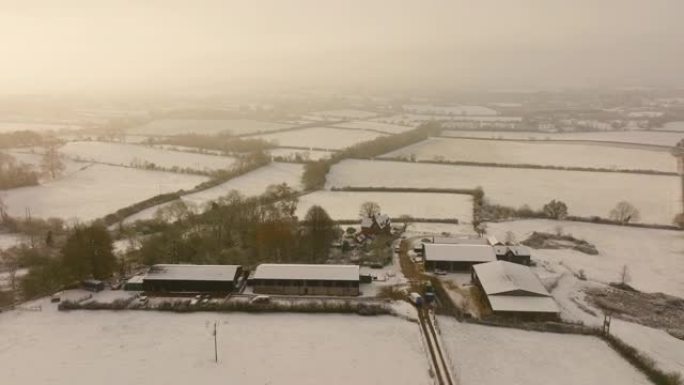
(320, 138)
(292, 153)
(94, 191)
(8, 240)
(376, 126)
(635, 137)
(484, 355)
(171, 127)
(449, 110)
(132, 154)
(422, 118)
(538, 153)
(673, 126)
(342, 114)
(252, 183)
(145, 347)
(6, 127)
(654, 258)
(345, 204)
(586, 193)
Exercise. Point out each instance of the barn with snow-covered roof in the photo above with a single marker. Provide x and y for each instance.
(514, 290)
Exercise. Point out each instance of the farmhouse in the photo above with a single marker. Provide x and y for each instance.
(191, 278)
(377, 224)
(514, 290)
(292, 279)
(451, 257)
(516, 254)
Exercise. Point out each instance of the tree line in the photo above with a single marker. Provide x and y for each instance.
(315, 172)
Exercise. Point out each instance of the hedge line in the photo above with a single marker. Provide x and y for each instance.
(532, 166)
(184, 306)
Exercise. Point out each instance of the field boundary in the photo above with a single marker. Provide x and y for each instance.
(610, 143)
(527, 166)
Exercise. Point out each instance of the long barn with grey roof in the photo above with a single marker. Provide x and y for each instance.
(452, 257)
(180, 278)
(302, 279)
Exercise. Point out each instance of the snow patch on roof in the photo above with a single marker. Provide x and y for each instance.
(501, 277)
(182, 272)
(307, 272)
(459, 253)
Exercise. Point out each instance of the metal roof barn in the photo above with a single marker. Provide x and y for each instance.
(307, 272)
(459, 253)
(191, 278)
(514, 289)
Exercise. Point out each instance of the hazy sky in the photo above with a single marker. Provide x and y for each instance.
(86, 45)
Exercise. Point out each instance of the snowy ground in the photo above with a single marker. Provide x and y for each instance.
(94, 191)
(320, 138)
(345, 204)
(673, 126)
(340, 114)
(482, 355)
(418, 228)
(377, 126)
(6, 127)
(252, 183)
(146, 347)
(171, 127)
(654, 257)
(131, 154)
(414, 119)
(292, 153)
(449, 110)
(586, 193)
(8, 240)
(635, 137)
(538, 153)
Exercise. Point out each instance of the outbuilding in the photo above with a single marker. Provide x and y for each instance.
(516, 254)
(134, 283)
(177, 278)
(303, 279)
(455, 257)
(514, 290)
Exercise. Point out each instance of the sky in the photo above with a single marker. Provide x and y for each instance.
(147, 45)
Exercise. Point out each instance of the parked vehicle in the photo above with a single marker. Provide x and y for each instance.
(416, 299)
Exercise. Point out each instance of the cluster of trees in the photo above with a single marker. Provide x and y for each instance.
(315, 172)
(240, 230)
(623, 213)
(224, 143)
(86, 253)
(15, 174)
(20, 139)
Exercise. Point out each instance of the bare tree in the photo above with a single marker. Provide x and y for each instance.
(510, 238)
(624, 275)
(369, 209)
(52, 164)
(624, 212)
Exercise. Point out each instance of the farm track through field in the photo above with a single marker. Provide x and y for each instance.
(439, 361)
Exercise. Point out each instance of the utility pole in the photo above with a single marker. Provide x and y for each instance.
(215, 343)
(678, 153)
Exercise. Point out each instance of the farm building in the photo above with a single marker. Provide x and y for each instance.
(514, 290)
(191, 278)
(451, 257)
(134, 283)
(515, 254)
(378, 224)
(292, 279)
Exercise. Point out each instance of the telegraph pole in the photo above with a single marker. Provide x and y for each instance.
(215, 344)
